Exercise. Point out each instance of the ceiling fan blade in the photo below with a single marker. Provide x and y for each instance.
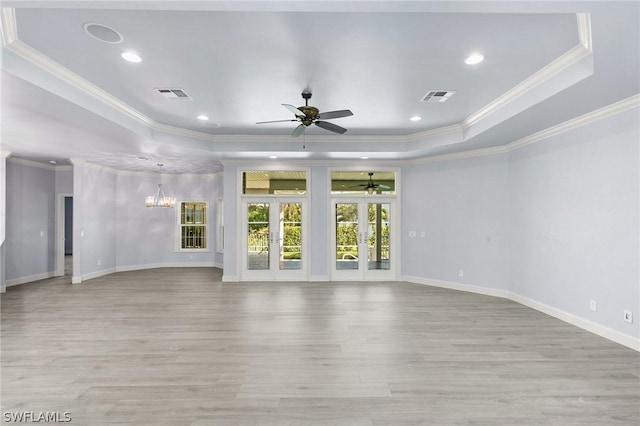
(275, 121)
(294, 110)
(330, 127)
(298, 130)
(335, 114)
(384, 186)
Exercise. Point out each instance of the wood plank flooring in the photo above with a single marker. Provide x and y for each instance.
(178, 347)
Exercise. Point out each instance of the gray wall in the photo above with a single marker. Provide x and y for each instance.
(3, 216)
(147, 236)
(574, 209)
(94, 212)
(462, 208)
(30, 234)
(555, 223)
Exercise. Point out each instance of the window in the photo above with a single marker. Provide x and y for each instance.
(220, 226)
(274, 182)
(193, 225)
(370, 182)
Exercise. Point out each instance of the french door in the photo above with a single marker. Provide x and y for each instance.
(363, 239)
(274, 239)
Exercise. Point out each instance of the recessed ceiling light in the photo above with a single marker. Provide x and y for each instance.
(364, 158)
(416, 118)
(202, 117)
(474, 58)
(273, 157)
(131, 56)
(53, 162)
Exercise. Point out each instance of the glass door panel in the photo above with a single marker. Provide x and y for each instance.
(362, 241)
(275, 240)
(258, 236)
(378, 232)
(346, 236)
(290, 236)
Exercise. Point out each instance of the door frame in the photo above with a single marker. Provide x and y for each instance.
(274, 273)
(59, 231)
(363, 273)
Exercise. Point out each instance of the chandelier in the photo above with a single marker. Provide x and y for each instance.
(160, 200)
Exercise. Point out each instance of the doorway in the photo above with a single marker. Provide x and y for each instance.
(274, 239)
(363, 239)
(64, 236)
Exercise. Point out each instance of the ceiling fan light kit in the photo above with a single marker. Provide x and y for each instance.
(307, 115)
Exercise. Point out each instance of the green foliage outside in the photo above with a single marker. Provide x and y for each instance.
(291, 215)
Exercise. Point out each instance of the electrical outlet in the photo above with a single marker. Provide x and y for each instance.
(99, 262)
(593, 305)
(412, 234)
(628, 316)
(423, 234)
(461, 273)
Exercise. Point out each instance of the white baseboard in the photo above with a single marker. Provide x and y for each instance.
(488, 291)
(230, 278)
(76, 280)
(600, 330)
(129, 268)
(218, 265)
(28, 279)
(97, 274)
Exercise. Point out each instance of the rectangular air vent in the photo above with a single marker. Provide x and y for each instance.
(438, 95)
(174, 93)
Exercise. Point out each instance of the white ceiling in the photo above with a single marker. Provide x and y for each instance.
(67, 95)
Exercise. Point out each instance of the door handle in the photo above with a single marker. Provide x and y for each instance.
(271, 237)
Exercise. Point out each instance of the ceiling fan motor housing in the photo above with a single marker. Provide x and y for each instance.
(311, 114)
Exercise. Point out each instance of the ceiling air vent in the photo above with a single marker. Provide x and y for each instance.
(174, 93)
(438, 95)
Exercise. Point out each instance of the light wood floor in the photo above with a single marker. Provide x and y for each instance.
(176, 347)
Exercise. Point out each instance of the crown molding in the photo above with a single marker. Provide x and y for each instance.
(8, 26)
(561, 63)
(439, 131)
(588, 118)
(569, 58)
(584, 30)
(44, 62)
(31, 163)
(291, 163)
(5, 154)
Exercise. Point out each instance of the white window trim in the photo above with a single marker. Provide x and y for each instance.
(178, 230)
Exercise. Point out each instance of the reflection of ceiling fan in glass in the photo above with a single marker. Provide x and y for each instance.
(371, 186)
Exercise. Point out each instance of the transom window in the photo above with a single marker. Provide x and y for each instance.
(369, 182)
(275, 182)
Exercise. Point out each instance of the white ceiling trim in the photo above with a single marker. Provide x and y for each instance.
(5, 154)
(573, 56)
(30, 163)
(543, 75)
(35, 57)
(584, 30)
(588, 118)
(8, 26)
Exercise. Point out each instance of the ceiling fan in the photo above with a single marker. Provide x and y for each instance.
(371, 186)
(307, 115)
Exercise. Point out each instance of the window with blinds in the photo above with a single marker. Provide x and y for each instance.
(193, 225)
